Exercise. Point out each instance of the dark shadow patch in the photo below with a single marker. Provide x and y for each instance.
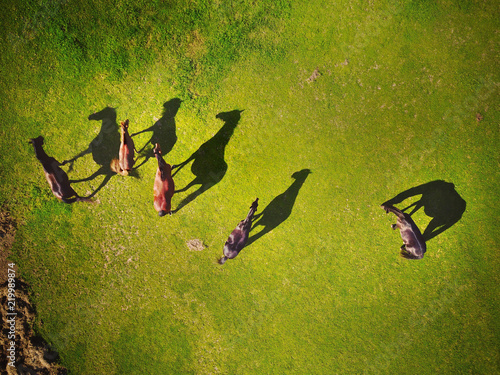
(104, 148)
(209, 166)
(440, 201)
(280, 207)
(163, 132)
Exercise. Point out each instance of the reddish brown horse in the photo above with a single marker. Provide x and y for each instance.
(164, 185)
(125, 160)
(56, 177)
(414, 246)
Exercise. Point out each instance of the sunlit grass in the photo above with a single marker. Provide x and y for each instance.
(392, 105)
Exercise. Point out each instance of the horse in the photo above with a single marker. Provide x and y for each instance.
(414, 245)
(123, 165)
(440, 201)
(239, 236)
(164, 187)
(56, 177)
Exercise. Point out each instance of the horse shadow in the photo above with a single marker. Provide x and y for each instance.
(440, 201)
(209, 166)
(104, 148)
(280, 207)
(163, 131)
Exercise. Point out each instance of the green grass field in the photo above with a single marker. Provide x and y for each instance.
(374, 98)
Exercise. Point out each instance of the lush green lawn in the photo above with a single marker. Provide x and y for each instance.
(373, 99)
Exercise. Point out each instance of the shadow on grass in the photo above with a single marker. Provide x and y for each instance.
(209, 166)
(104, 148)
(280, 207)
(440, 201)
(163, 131)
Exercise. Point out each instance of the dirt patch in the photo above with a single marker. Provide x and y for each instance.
(7, 234)
(195, 245)
(32, 355)
(314, 76)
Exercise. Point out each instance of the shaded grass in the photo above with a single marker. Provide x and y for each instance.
(394, 105)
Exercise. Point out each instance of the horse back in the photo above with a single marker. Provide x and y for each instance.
(412, 237)
(126, 157)
(126, 154)
(237, 240)
(164, 187)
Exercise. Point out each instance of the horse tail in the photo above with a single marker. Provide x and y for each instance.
(396, 211)
(223, 260)
(85, 199)
(115, 167)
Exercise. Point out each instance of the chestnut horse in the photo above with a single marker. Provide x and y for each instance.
(56, 177)
(125, 160)
(413, 242)
(164, 186)
(239, 236)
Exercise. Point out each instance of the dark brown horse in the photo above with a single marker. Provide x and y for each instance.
(439, 200)
(123, 165)
(164, 187)
(56, 177)
(413, 242)
(239, 236)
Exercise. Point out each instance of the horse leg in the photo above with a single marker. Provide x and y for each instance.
(180, 166)
(418, 205)
(436, 227)
(403, 250)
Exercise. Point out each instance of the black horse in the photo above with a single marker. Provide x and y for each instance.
(413, 242)
(239, 236)
(440, 201)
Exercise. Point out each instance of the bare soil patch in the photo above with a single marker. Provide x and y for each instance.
(32, 353)
(195, 245)
(7, 234)
(314, 76)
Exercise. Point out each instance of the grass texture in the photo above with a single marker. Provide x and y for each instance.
(373, 98)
